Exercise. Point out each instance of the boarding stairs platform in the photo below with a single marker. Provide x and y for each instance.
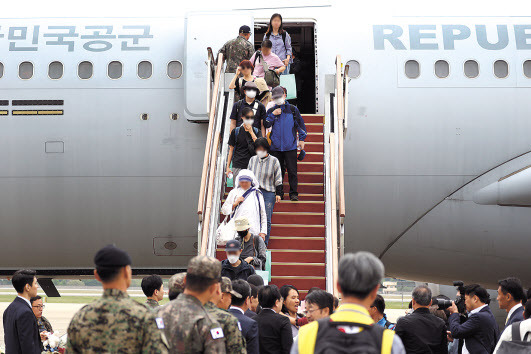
(306, 236)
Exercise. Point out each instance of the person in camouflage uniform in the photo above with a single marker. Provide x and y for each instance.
(176, 285)
(186, 323)
(237, 49)
(115, 322)
(217, 307)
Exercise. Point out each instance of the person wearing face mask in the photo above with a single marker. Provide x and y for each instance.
(241, 144)
(250, 91)
(267, 170)
(234, 267)
(253, 246)
(285, 121)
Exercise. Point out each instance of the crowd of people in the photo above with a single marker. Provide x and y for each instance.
(210, 313)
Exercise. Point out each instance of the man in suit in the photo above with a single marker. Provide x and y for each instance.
(21, 333)
(510, 297)
(274, 330)
(238, 307)
(480, 331)
(421, 332)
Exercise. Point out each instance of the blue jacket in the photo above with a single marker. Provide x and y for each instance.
(21, 333)
(480, 331)
(516, 316)
(285, 127)
(249, 329)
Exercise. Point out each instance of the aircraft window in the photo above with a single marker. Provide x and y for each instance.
(471, 69)
(442, 69)
(55, 70)
(25, 70)
(354, 69)
(1, 69)
(412, 69)
(527, 68)
(175, 69)
(501, 69)
(114, 70)
(145, 69)
(85, 70)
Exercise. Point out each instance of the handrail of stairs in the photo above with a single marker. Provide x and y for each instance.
(209, 165)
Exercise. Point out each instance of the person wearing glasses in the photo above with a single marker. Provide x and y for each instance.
(38, 307)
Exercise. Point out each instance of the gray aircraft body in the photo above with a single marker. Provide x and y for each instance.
(101, 139)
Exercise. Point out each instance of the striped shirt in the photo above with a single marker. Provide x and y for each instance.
(267, 172)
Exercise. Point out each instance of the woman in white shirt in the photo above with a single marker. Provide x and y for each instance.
(246, 200)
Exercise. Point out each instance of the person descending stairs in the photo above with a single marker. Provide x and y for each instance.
(297, 241)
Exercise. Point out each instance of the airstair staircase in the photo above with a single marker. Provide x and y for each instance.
(306, 236)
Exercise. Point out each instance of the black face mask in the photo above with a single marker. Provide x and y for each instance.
(242, 234)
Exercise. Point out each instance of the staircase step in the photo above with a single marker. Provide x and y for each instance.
(309, 256)
(291, 242)
(313, 118)
(302, 269)
(298, 217)
(299, 282)
(306, 166)
(314, 127)
(314, 157)
(309, 188)
(314, 147)
(308, 206)
(297, 230)
(307, 177)
(314, 137)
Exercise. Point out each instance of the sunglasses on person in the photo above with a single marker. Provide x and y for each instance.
(249, 117)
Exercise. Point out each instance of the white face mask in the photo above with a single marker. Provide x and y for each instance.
(280, 101)
(248, 122)
(261, 153)
(233, 259)
(250, 93)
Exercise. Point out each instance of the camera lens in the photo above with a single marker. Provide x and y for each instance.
(444, 304)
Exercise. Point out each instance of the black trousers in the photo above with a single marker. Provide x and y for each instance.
(288, 160)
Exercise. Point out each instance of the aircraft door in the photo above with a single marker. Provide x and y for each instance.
(203, 30)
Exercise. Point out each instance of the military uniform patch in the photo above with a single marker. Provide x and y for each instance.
(160, 322)
(240, 326)
(216, 333)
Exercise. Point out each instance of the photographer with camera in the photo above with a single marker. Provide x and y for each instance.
(480, 330)
(422, 332)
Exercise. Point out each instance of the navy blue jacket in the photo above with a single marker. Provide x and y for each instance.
(249, 330)
(21, 333)
(480, 331)
(284, 127)
(240, 272)
(517, 316)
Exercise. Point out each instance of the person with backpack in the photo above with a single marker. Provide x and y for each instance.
(253, 246)
(246, 200)
(241, 144)
(516, 338)
(281, 41)
(267, 170)
(377, 312)
(350, 329)
(267, 64)
(243, 75)
(285, 121)
(250, 90)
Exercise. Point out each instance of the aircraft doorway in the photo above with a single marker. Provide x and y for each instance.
(304, 66)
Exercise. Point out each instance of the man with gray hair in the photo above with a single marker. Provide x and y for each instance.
(421, 331)
(350, 329)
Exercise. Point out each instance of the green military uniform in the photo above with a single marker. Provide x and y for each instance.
(187, 325)
(44, 325)
(176, 285)
(234, 341)
(154, 304)
(236, 50)
(114, 323)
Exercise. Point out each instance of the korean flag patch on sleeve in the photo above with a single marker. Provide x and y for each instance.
(160, 322)
(216, 333)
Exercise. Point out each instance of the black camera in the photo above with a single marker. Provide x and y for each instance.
(443, 304)
(459, 300)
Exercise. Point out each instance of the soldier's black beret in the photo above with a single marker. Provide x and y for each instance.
(111, 256)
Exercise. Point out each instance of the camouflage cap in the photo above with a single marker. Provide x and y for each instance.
(226, 287)
(204, 266)
(176, 282)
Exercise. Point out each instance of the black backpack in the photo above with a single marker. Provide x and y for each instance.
(516, 345)
(331, 340)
